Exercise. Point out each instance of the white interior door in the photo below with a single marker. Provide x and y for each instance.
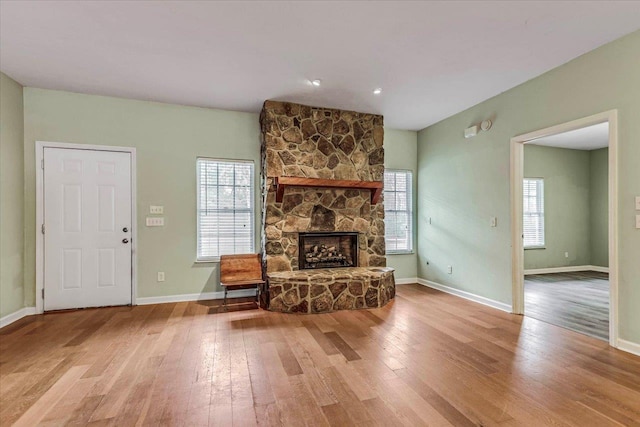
(87, 220)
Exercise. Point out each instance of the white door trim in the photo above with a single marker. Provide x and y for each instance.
(39, 147)
(517, 175)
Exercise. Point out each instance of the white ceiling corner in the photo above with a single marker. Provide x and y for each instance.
(587, 138)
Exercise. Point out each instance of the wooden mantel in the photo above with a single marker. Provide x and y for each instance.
(375, 187)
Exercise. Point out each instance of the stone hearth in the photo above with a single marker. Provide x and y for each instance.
(331, 289)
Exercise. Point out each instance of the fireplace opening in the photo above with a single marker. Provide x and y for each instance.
(327, 250)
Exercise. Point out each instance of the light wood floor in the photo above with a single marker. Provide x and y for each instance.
(578, 301)
(428, 358)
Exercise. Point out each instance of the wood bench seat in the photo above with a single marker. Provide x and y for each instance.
(239, 272)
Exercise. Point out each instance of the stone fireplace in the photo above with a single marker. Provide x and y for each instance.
(327, 250)
(322, 172)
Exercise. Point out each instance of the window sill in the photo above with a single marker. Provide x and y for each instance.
(526, 248)
(215, 260)
(400, 253)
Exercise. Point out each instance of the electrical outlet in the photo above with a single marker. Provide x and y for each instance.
(160, 276)
(449, 269)
(158, 210)
(155, 221)
(494, 221)
(566, 254)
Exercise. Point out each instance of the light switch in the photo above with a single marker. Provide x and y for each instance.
(494, 221)
(156, 210)
(638, 203)
(155, 221)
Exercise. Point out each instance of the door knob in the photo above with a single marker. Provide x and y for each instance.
(125, 240)
(125, 229)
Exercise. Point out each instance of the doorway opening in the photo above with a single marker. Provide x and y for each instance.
(563, 182)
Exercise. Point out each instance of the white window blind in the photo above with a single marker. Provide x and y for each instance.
(398, 211)
(533, 221)
(225, 208)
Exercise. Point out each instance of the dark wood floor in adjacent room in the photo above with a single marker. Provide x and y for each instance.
(578, 301)
(428, 358)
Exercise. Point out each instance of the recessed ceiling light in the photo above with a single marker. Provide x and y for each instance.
(316, 82)
(377, 91)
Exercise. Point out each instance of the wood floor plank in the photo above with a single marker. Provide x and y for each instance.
(578, 301)
(349, 353)
(61, 412)
(381, 414)
(440, 404)
(53, 395)
(320, 337)
(82, 412)
(426, 359)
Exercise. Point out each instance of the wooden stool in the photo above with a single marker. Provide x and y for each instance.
(240, 272)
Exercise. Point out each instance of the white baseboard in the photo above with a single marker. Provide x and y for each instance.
(467, 295)
(16, 315)
(599, 269)
(629, 347)
(28, 311)
(567, 269)
(195, 297)
(407, 281)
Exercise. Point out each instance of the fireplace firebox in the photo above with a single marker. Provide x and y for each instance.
(327, 250)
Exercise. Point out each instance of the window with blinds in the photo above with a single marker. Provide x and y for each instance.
(225, 208)
(533, 221)
(398, 211)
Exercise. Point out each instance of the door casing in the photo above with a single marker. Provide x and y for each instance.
(39, 147)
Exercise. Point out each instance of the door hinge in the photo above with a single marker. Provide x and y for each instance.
(42, 163)
(42, 229)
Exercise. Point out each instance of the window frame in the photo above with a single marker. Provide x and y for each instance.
(540, 212)
(409, 195)
(252, 211)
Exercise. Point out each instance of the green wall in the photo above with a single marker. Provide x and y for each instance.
(11, 196)
(599, 206)
(168, 138)
(401, 152)
(462, 182)
(566, 205)
(576, 206)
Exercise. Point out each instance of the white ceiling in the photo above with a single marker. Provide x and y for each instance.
(589, 138)
(432, 59)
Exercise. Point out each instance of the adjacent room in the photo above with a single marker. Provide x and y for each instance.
(323, 213)
(566, 230)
